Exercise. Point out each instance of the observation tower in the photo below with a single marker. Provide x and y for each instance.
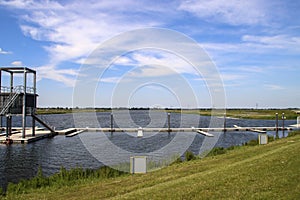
(16, 100)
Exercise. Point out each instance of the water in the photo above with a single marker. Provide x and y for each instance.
(22, 161)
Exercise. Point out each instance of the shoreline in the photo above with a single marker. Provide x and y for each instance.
(236, 170)
(232, 113)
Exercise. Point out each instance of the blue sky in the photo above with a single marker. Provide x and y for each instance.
(254, 44)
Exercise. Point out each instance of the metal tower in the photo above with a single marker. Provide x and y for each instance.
(19, 99)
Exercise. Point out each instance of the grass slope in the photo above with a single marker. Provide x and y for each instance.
(261, 172)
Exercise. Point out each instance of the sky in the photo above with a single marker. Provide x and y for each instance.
(254, 45)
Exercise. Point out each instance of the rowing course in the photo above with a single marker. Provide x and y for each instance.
(184, 129)
(70, 132)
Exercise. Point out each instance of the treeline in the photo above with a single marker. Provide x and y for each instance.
(157, 108)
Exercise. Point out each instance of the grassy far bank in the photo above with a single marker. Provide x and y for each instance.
(60, 110)
(249, 172)
(248, 113)
(234, 113)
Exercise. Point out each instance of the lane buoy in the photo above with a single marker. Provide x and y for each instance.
(140, 132)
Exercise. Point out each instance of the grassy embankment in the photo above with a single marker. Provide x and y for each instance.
(248, 172)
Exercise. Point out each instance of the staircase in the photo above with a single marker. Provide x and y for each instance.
(10, 100)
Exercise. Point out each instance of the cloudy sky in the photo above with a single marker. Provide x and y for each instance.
(254, 44)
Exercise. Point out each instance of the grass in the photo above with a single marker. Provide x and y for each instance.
(294, 133)
(47, 111)
(235, 113)
(63, 177)
(248, 172)
(246, 113)
(261, 113)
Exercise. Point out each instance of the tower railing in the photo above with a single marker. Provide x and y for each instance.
(11, 98)
(18, 99)
(5, 89)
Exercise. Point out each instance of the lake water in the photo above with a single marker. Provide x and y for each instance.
(93, 150)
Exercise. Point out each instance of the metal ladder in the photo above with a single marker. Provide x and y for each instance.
(11, 99)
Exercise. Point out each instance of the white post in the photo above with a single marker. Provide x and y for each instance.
(34, 104)
(24, 104)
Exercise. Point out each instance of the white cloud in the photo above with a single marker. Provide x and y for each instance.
(146, 64)
(151, 64)
(231, 77)
(65, 76)
(31, 4)
(284, 42)
(224, 47)
(4, 52)
(74, 29)
(252, 69)
(234, 12)
(17, 63)
(123, 60)
(256, 44)
(273, 87)
(110, 79)
(77, 28)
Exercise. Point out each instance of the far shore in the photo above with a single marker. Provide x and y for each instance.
(240, 113)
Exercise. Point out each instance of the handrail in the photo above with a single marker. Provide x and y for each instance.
(20, 88)
(13, 94)
(11, 98)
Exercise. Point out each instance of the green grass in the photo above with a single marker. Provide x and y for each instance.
(235, 113)
(63, 177)
(248, 172)
(294, 133)
(48, 111)
(249, 113)
(246, 113)
(261, 113)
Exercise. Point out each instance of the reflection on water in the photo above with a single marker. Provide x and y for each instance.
(22, 161)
